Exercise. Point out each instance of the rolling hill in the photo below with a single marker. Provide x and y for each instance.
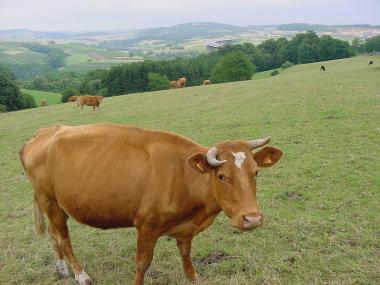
(321, 201)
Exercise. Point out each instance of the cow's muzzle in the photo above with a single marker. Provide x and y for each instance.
(247, 222)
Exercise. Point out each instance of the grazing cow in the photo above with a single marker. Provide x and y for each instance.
(159, 182)
(173, 84)
(72, 99)
(206, 82)
(323, 68)
(181, 82)
(88, 100)
(43, 103)
(371, 62)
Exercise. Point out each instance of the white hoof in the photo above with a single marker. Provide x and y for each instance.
(83, 278)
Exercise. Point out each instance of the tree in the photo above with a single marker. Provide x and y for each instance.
(234, 66)
(157, 82)
(357, 45)
(307, 53)
(39, 83)
(10, 95)
(372, 44)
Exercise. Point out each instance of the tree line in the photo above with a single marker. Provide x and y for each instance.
(273, 53)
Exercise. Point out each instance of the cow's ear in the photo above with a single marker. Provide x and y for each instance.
(198, 162)
(267, 157)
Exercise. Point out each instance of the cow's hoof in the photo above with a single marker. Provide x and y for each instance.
(62, 271)
(63, 275)
(83, 278)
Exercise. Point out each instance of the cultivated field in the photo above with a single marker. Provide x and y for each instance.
(81, 58)
(321, 201)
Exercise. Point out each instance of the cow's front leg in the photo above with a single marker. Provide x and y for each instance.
(185, 249)
(146, 241)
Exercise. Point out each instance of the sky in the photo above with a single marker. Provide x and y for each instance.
(91, 15)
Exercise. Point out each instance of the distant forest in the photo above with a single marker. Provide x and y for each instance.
(302, 48)
(135, 77)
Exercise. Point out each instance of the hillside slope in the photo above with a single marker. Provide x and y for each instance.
(321, 202)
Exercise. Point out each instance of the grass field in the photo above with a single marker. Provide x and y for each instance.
(51, 97)
(321, 201)
(265, 74)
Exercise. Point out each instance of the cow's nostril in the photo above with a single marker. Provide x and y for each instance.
(252, 220)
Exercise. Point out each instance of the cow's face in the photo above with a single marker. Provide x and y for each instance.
(234, 179)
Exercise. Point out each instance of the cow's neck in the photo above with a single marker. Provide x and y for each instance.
(200, 192)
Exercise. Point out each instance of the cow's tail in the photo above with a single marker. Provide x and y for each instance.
(38, 217)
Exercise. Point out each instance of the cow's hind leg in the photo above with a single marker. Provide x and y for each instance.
(61, 240)
(60, 263)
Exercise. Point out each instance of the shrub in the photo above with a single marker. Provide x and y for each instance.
(287, 64)
(29, 101)
(234, 66)
(157, 81)
(274, 72)
(3, 108)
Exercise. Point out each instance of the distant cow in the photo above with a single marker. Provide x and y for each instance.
(159, 182)
(44, 103)
(173, 84)
(206, 82)
(181, 82)
(371, 62)
(72, 99)
(88, 100)
(323, 68)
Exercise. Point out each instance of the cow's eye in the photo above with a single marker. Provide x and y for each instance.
(222, 177)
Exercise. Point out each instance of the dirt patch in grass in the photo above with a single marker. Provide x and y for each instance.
(212, 257)
(293, 195)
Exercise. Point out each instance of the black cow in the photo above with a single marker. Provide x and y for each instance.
(323, 68)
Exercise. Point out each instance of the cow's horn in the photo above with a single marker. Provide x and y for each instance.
(257, 143)
(211, 157)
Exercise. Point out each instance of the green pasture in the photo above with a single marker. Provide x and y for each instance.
(51, 97)
(321, 201)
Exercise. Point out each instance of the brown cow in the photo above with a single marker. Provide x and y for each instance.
(88, 100)
(181, 82)
(173, 84)
(43, 103)
(161, 183)
(72, 99)
(206, 82)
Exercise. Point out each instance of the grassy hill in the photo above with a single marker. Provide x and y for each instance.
(51, 97)
(321, 201)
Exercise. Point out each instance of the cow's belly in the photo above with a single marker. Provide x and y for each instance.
(99, 211)
(101, 201)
